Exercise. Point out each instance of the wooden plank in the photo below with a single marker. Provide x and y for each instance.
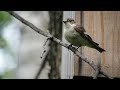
(92, 27)
(104, 28)
(111, 59)
(67, 64)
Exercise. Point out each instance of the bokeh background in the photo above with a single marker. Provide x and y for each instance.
(21, 47)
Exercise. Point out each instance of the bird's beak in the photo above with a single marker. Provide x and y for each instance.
(64, 21)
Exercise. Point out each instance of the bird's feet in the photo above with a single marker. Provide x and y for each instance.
(69, 46)
(72, 46)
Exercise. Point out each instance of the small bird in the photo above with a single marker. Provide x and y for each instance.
(75, 34)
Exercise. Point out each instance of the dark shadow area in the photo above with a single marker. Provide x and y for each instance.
(86, 77)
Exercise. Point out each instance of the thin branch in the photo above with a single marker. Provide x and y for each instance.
(44, 48)
(73, 49)
(40, 69)
(42, 65)
(29, 24)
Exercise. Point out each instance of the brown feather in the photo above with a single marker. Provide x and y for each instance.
(91, 39)
(79, 29)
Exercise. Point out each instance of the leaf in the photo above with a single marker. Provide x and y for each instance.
(5, 18)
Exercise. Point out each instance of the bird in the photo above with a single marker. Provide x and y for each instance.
(76, 35)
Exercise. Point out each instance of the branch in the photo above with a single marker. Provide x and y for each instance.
(44, 59)
(73, 49)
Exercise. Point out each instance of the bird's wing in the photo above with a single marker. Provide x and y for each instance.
(88, 37)
(79, 28)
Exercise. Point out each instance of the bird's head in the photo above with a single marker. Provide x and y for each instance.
(69, 22)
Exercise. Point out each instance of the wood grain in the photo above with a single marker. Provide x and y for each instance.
(112, 42)
(104, 28)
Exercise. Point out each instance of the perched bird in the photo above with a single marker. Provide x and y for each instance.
(75, 34)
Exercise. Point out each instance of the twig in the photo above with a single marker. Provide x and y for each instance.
(44, 48)
(44, 61)
(103, 73)
(40, 69)
(98, 69)
(74, 50)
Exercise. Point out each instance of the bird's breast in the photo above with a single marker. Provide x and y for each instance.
(75, 38)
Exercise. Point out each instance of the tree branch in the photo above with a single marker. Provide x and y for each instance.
(42, 65)
(73, 49)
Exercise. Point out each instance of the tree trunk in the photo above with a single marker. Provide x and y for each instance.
(54, 55)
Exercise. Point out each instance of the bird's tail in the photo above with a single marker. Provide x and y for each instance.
(100, 49)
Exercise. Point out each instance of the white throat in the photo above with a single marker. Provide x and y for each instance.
(68, 25)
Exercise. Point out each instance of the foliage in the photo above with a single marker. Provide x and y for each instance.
(3, 43)
(5, 18)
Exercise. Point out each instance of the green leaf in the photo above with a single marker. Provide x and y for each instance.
(5, 18)
(7, 74)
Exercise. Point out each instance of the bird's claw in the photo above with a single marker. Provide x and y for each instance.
(69, 46)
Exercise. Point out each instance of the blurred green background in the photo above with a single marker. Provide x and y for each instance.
(21, 47)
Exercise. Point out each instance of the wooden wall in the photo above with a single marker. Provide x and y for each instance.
(104, 28)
